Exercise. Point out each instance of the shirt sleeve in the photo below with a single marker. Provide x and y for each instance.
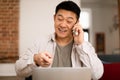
(25, 64)
(89, 59)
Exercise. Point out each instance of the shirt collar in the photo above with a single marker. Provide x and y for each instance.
(52, 37)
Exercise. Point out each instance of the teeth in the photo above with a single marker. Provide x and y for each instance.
(62, 30)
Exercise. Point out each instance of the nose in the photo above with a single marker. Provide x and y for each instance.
(63, 24)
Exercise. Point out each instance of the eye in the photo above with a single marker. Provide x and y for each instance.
(69, 22)
(59, 19)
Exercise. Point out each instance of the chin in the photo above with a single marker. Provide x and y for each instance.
(61, 36)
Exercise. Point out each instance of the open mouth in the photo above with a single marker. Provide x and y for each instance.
(62, 30)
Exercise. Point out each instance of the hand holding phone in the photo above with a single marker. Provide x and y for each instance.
(78, 33)
(75, 32)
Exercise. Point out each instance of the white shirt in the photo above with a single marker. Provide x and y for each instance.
(82, 55)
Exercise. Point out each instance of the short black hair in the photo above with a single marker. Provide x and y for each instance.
(70, 6)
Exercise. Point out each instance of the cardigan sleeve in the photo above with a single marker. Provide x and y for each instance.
(89, 58)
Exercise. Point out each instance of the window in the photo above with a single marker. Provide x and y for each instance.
(86, 34)
(85, 22)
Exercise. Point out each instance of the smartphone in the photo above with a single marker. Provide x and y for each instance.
(75, 32)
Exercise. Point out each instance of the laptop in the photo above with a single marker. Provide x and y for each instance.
(65, 73)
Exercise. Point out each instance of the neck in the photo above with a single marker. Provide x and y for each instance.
(63, 41)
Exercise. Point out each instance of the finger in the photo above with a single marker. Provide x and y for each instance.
(48, 55)
(75, 33)
(41, 60)
(79, 28)
(75, 26)
(43, 64)
(76, 30)
(47, 58)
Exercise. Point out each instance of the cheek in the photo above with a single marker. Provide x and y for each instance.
(71, 27)
(56, 24)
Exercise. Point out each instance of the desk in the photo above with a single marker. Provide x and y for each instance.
(7, 71)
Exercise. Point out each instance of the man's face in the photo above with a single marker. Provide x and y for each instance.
(64, 21)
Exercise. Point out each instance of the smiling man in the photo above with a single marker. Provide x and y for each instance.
(65, 48)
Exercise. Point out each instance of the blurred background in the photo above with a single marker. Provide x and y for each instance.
(23, 21)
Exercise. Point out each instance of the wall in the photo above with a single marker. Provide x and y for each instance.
(36, 20)
(102, 21)
(9, 23)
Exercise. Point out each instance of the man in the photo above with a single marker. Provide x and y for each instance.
(65, 48)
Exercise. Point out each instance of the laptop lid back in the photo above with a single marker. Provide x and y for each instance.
(83, 73)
